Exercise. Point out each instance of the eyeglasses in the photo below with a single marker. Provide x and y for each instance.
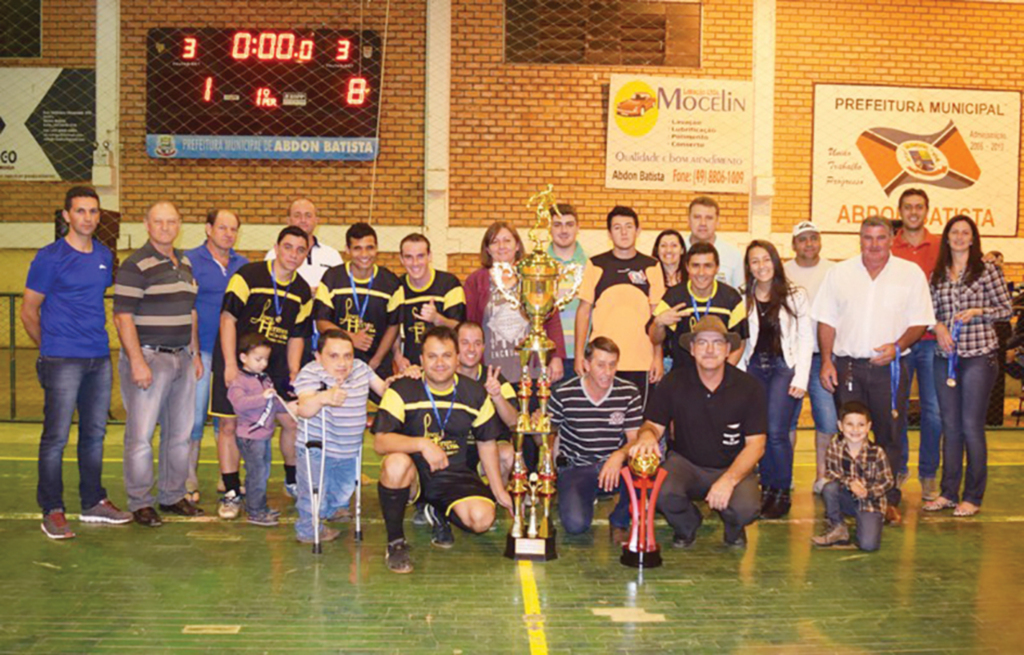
(709, 344)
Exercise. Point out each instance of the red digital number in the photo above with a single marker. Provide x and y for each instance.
(285, 47)
(357, 91)
(305, 50)
(265, 45)
(208, 90)
(241, 45)
(189, 49)
(265, 98)
(344, 50)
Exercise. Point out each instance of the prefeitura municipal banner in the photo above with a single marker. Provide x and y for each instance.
(961, 146)
(679, 134)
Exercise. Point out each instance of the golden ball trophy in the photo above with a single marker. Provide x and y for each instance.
(644, 474)
(531, 286)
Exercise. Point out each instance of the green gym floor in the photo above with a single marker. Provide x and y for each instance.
(938, 584)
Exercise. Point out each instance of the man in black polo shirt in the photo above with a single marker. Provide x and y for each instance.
(154, 311)
(720, 418)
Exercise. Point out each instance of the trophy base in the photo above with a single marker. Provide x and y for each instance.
(647, 560)
(525, 548)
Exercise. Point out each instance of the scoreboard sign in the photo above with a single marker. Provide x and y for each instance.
(262, 94)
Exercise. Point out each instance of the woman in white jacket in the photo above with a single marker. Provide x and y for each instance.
(778, 353)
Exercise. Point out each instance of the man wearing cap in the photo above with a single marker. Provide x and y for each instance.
(870, 310)
(808, 270)
(720, 419)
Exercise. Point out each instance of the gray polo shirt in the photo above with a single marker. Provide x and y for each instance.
(159, 295)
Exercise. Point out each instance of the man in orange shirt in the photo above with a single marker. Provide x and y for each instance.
(620, 289)
(915, 243)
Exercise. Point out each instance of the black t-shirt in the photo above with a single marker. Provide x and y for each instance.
(710, 427)
(335, 302)
(445, 291)
(279, 316)
(406, 409)
(725, 302)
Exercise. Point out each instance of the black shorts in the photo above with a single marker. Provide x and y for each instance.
(219, 403)
(447, 488)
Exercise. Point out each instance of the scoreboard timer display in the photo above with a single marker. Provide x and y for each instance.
(262, 93)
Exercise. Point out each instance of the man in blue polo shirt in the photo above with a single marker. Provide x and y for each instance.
(213, 264)
(63, 313)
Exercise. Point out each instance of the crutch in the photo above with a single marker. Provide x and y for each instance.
(358, 535)
(316, 490)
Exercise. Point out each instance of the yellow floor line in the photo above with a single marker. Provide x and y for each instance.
(532, 611)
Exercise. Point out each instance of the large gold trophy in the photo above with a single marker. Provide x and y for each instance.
(531, 286)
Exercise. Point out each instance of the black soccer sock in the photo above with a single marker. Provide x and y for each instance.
(392, 506)
(232, 482)
(289, 474)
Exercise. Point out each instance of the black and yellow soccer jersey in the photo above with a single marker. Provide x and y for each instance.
(725, 302)
(278, 314)
(336, 302)
(508, 392)
(406, 409)
(445, 290)
(622, 292)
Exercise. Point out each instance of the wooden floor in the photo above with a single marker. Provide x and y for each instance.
(938, 584)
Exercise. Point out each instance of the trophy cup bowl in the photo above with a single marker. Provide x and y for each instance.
(645, 466)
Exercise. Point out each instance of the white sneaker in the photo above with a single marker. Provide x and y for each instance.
(230, 506)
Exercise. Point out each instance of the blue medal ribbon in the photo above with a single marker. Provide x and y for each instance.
(277, 303)
(696, 311)
(433, 405)
(894, 380)
(361, 307)
(954, 357)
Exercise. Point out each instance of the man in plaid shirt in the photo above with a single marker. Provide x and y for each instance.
(857, 478)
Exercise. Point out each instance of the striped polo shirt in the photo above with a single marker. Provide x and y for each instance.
(344, 425)
(589, 430)
(159, 295)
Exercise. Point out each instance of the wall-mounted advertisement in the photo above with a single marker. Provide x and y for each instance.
(679, 134)
(961, 146)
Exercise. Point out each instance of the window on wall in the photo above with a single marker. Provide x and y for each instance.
(20, 28)
(665, 33)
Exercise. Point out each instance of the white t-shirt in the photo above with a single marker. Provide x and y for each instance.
(730, 262)
(810, 278)
(870, 313)
(320, 258)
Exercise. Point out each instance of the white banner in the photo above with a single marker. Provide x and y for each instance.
(961, 146)
(679, 134)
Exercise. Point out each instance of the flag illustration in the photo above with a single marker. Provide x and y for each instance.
(941, 159)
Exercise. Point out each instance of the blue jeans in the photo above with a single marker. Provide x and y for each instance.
(776, 377)
(921, 362)
(257, 471)
(964, 408)
(577, 491)
(70, 383)
(203, 398)
(339, 483)
(823, 405)
(840, 501)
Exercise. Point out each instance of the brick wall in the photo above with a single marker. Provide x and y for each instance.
(518, 127)
(68, 26)
(883, 42)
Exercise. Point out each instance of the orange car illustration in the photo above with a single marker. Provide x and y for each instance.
(635, 106)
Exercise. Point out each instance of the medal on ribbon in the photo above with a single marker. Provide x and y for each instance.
(954, 357)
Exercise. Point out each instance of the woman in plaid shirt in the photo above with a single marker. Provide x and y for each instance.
(969, 295)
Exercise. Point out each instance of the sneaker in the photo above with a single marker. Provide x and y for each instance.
(680, 541)
(442, 537)
(105, 512)
(836, 535)
(264, 519)
(737, 542)
(779, 508)
(768, 498)
(929, 489)
(819, 485)
(419, 517)
(343, 515)
(230, 506)
(397, 557)
(55, 526)
(292, 489)
(182, 508)
(326, 534)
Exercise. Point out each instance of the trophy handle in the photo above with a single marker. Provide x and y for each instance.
(576, 280)
(498, 272)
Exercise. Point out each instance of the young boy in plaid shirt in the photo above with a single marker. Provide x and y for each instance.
(857, 475)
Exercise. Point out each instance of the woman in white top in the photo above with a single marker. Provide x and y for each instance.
(778, 353)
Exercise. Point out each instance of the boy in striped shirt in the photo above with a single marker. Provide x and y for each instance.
(597, 416)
